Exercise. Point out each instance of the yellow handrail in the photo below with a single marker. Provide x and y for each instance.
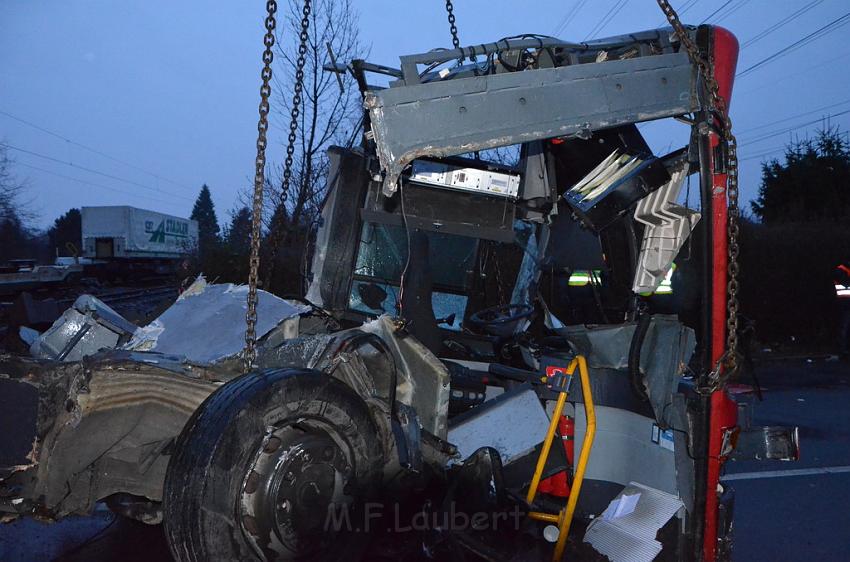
(565, 518)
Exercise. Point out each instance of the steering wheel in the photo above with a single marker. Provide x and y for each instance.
(501, 319)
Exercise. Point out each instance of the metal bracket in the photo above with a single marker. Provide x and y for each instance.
(767, 443)
(463, 115)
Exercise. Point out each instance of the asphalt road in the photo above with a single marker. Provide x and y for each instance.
(783, 511)
(798, 511)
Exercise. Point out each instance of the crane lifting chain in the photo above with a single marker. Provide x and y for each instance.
(277, 230)
(452, 27)
(250, 353)
(728, 363)
(453, 30)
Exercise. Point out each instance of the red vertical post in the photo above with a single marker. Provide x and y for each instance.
(723, 415)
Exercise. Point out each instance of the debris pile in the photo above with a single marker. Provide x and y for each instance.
(205, 325)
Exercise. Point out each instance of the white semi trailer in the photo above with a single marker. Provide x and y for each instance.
(125, 232)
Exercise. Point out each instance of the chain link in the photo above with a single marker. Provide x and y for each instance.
(278, 229)
(452, 27)
(250, 354)
(728, 363)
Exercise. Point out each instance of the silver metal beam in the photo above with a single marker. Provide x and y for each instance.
(463, 115)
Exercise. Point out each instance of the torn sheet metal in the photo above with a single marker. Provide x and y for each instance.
(457, 116)
(665, 352)
(82, 330)
(423, 380)
(207, 322)
(626, 530)
(513, 424)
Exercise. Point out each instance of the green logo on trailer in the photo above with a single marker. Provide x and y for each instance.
(177, 229)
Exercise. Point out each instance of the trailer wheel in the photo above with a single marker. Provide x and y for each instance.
(274, 465)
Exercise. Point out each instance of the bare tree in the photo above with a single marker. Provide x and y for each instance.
(16, 237)
(11, 191)
(328, 115)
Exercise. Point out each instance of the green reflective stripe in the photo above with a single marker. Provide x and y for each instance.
(579, 278)
(582, 277)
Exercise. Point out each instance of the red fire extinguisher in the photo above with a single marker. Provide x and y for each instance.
(556, 485)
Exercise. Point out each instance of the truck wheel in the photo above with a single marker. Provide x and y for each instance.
(274, 465)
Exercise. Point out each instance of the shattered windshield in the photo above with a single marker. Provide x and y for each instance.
(467, 273)
(382, 257)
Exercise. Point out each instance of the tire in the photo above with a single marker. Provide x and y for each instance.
(261, 462)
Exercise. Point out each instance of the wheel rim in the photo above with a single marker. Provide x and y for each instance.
(296, 476)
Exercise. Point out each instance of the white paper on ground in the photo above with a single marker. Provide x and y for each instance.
(626, 530)
(620, 507)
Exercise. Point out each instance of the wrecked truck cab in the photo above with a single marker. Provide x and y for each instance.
(445, 289)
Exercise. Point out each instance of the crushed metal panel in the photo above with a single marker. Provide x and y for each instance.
(423, 380)
(82, 330)
(513, 424)
(207, 323)
(463, 115)
(665, 352)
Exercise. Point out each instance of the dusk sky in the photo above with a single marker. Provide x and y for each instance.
(165, 93)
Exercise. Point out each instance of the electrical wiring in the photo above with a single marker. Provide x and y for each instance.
(92, 171)
(834, 25)
(606, 19)
(781, 23)
(568, 19)
(98, 185)
(685, 7)
(400, 300)
(717, 11)
(791, 118)
(772, 134)
(785, 78)
(728, 13)
(90, 149)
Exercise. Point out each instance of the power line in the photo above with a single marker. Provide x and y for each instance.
(786, 77)
(780, 23)
(90, 149)
(762, 154)
(93, 171)
(715, 12)
(732, 11)
(681, 11)
(828, 28)
(63, 176)
(569, 17)
(766, 125)
(606, 19)
(772, 134)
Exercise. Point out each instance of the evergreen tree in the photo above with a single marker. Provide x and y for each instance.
(66, 229)
(812, 185)
(239, 232)
(208, 229)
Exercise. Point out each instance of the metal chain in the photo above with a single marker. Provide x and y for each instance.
(277, 230)
(452, 27)
(729, 359)
(250, 354)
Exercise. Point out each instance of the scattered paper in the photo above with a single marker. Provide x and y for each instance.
(626, 530)
(621, 507)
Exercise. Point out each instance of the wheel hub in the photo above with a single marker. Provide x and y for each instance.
(297, 476)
